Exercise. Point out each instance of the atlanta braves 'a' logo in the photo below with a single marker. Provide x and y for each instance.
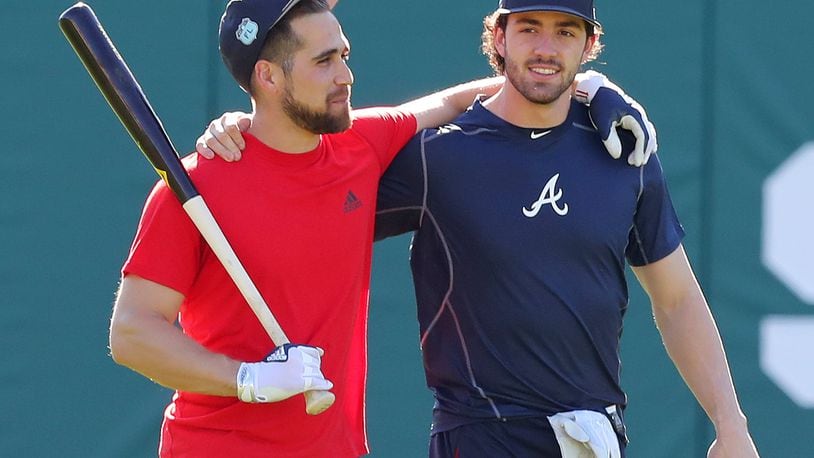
(549, 195)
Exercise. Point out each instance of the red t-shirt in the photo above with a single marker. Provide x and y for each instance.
(302, 225)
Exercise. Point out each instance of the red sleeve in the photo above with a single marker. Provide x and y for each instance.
(167, 248)
(387, 130)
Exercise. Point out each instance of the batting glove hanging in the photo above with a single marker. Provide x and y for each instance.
(609, 108)
(585, 434)
(289, 370)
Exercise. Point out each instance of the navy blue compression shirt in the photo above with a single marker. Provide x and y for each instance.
(519, 261)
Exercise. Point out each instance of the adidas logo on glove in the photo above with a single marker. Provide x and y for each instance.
(279, 355)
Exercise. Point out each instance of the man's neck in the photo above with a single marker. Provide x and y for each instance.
(511, 106)
(277, 131)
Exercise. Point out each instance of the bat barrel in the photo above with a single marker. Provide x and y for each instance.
(115, 80)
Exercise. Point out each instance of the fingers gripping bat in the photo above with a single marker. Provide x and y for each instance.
(124, 94)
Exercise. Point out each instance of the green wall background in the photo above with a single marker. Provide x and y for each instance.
(726, 83)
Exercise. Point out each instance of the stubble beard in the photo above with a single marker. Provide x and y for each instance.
(534, 92)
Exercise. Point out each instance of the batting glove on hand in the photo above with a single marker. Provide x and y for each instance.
(610, 108)
(289, 370)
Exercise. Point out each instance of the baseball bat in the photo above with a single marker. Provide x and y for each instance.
(125, 96)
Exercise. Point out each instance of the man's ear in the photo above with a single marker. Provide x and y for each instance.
(267, 76)
(589, 45)
(500, 41)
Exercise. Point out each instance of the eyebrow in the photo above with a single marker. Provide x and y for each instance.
(329, 53)
(565, 23)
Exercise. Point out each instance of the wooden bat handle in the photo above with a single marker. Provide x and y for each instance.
(316, 402)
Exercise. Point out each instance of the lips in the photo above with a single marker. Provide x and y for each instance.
(340, 96)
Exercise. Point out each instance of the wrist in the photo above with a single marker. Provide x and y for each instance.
(731, 424)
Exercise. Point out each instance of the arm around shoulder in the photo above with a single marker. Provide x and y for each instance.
(443, 106)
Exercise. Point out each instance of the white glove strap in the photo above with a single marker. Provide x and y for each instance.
(585, 434)
(245, 383)
(588, 83)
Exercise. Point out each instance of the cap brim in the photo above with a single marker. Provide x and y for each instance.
(550, 8)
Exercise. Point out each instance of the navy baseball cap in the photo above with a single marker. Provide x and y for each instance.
(583, 9)
(243, 30)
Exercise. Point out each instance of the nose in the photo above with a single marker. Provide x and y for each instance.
(544, 46)
(345, 76)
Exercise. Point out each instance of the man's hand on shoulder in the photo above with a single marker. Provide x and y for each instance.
(610, 108)
(224, 136)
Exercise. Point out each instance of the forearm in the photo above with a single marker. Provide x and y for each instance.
(444, 106)
(160, 351)
(694, 344)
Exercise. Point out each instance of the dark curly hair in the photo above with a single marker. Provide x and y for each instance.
(496, 21)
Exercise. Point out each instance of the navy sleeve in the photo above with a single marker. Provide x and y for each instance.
(401, 192)
(656, 231)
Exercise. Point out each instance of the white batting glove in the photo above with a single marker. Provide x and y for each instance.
(609, 108)
(289, 370)
(585, 434)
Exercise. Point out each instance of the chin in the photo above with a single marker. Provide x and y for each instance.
(343, 126)
(344, 121)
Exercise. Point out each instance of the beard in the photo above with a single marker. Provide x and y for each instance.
(318, 122)
(540, 93)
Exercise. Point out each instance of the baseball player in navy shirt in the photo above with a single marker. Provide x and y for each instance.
(523, 229)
